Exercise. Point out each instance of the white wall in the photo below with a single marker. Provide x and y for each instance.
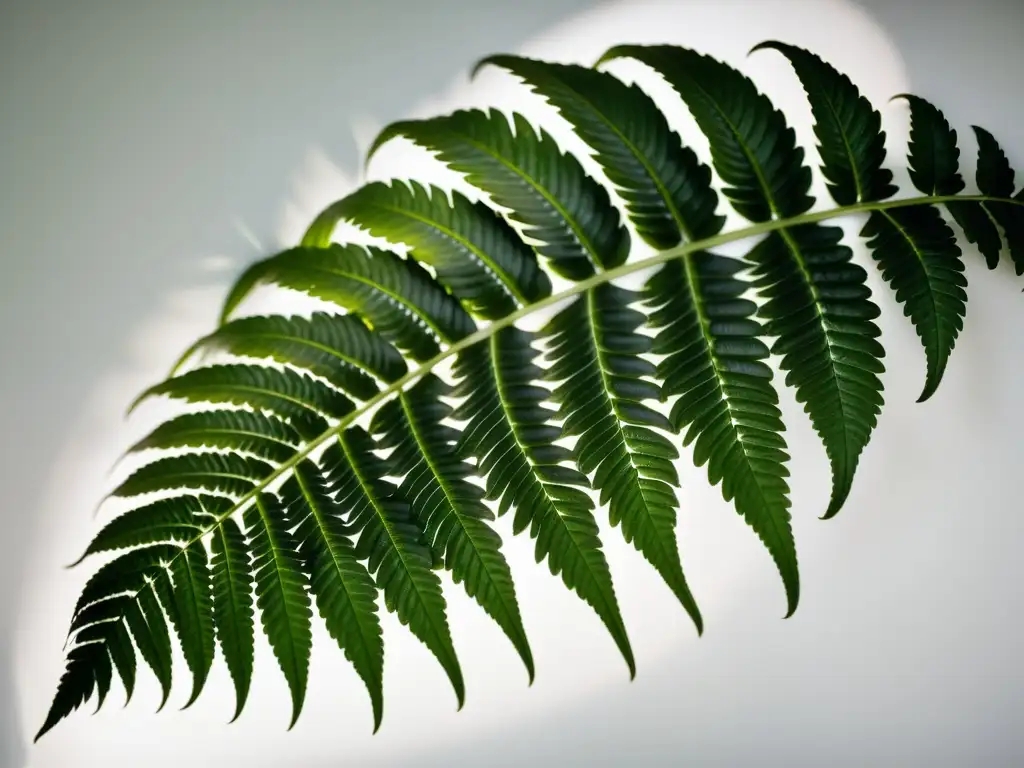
(138, 142)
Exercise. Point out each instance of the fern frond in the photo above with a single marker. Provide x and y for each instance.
(281, 593)
(920, 260)
(545, 190)
(231, 568)
(335, 515)
(342, 587)
(714, 362)
(601, 389)
(338, 348)
(392, 543)
(471, 248)
(509, 435)
(379, 285)
(661, 182)
(287, 393)
(448, 508)
(260, 434)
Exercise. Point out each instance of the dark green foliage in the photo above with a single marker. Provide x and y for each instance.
(602, 385)
(727, 405)
(545, 190)
(470, 422)
(919, 258)
(450, 510)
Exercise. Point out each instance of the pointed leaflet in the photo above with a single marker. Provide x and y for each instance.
(229, 473)
(122, 653)
(76, 684)
(595, 355)
(448, 507)
(384, 289)
(190, 607)
(337, 348)
(173, 519)
(934, 169)
(230, 566)
(280, 593)
(827, 308)
(544, 189)
(919, 258)
(917, 251)
(509, 433)
(127, 572)
(260, 434)
(995, 178)
(826, 337)
(344, 591)
(851, 141)
(148, 627)
(713, 361)
(398, 556)
(287, 393)
(474, 252)
(660, 180)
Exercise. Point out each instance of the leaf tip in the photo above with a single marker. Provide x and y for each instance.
(615, 52)
(766, 45)
(494, 59)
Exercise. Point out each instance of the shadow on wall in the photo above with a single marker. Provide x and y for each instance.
(145, 200)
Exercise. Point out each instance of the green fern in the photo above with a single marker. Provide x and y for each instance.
(353, 455)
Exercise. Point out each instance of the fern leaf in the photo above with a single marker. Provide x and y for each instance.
(192, 614)
(851, 141)
(934, 169)
(122, 653)
(713, 361)
(995, 178)
(76, 684)
(231, 570)
(386, 290)
(934, 156)
(397, 554)
(920, 260)
(128, 572)
(818, 302)
(752, 147)
(262, 435)
(344, 590)
(448, 507)
(229, 473)
(474, 252)
(338, 348)
(281, 593)
(145, 620)
(660, 180)
(595, 356)
(173, 519)
(545, 190)
(288, 393)
(509, 435)
(827, 339)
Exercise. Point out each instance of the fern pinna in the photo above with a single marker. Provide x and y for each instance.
(332, 463)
